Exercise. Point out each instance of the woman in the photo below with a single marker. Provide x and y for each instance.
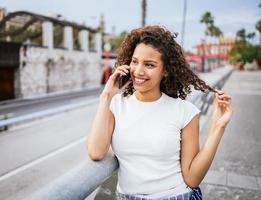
(153, 130)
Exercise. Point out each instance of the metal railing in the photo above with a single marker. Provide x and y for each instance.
(7, 120)
(80, 182)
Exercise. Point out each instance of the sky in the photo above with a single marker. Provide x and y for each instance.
(125, 15)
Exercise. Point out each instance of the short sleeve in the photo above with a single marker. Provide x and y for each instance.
(113, 105)
(189, 111)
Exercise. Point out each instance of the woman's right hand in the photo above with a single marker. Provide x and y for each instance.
(111, 86)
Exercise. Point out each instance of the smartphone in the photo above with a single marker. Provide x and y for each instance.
(123, 79)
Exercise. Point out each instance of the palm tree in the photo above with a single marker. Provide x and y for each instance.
(208, 20)
(250, 36)
(241, 35)
(218, 34)
(214, 32)
(258, 28)
(143, 12)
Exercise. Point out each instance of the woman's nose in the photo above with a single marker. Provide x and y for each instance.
(139, 69)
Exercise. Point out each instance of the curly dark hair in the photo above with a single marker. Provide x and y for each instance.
(179, 76)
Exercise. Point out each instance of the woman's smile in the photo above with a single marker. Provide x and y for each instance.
(139, 81)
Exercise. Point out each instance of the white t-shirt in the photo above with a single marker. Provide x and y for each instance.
(146, 141)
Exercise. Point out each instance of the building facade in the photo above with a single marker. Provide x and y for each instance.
(29, 70)
(211, 55)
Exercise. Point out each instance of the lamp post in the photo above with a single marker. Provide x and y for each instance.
(143, 12)
(203, 55)
(183, 23)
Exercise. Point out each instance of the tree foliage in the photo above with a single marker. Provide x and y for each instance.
(244, 52)
(116, 41)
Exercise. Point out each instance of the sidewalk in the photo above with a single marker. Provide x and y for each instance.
(236, 170)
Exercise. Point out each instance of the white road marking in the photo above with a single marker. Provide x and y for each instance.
(41, 159)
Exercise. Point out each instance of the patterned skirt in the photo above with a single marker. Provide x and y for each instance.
(194, 194)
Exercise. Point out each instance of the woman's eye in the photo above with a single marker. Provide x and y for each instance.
(149, 65)
(134, 61)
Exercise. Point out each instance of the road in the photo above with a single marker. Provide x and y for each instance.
(33, 154)
(26, 106)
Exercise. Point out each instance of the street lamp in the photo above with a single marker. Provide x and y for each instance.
(143, 12)
(183, 23)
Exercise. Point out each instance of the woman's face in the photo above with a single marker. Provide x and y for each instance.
(146, 68)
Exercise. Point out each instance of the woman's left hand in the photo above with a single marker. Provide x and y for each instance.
(222, 109)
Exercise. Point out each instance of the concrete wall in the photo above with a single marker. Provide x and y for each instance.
(44, 71)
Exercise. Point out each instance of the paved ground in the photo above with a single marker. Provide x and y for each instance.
(34, 154)
(236, 170)
(235, 173)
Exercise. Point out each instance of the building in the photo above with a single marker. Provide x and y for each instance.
(29, 70)
(212, 54)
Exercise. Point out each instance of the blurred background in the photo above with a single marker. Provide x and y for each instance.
(56, 56)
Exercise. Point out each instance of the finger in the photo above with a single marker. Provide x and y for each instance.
(220, 92)
(127, 67)
(117, 73)
(225, 105)
(123, 69)
(224, 97)
(122, 73)
(220, 102)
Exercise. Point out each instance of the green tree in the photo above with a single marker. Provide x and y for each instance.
(241, 35)
(243, 52)
(116, 41)
(211, 30)
(217, 32)
(208, 20)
